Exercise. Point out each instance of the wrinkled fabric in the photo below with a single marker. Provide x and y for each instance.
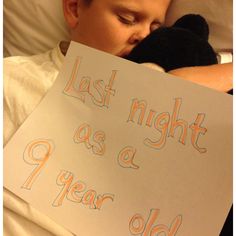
(26, 82)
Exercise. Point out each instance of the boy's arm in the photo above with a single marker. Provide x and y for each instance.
(218, 77)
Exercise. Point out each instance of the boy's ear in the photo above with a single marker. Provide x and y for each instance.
(70, 9)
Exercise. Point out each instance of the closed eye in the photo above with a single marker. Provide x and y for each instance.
(127, 19)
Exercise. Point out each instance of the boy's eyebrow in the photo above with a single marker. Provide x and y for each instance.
(126, 8)
(133, 10)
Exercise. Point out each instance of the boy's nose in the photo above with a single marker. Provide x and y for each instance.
(139, 35)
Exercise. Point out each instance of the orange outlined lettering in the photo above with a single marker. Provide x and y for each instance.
(109, 90)
(126, 156)
(151, 220)
(89, 197)
(151, 115)
(77, 192)
(137, 225)
(168, 231)
(83, 135)
(75, 189)
(137, 105)
(70, 85)
(161, 124)
(37, 153)
(196, 131)
(178, 123)
(99, 87)
(79, 89)
(64, 179)
(99, 138)
(84, 87)
(70, 88)
(102, 198)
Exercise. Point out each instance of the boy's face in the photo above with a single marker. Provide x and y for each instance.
(116, 26)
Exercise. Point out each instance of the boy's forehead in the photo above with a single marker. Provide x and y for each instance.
(139, 4)
(153, 9)
(132, 2)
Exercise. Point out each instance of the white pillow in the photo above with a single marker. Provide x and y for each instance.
(34, 26)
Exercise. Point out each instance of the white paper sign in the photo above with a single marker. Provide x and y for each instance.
(118, 149)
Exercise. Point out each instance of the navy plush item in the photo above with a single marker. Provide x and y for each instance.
(181, 45)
